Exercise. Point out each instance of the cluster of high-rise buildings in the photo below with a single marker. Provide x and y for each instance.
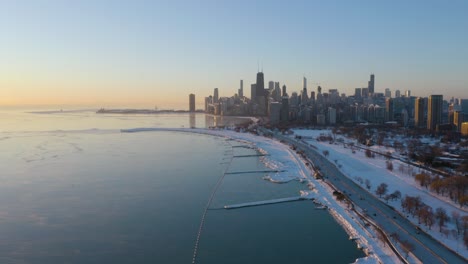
(319, 107)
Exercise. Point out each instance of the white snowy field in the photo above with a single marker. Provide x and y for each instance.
(357, 165)
(292, 167)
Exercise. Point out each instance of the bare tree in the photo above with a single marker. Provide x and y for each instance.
(387, 197)
(401, 168)
(381, 189)
(423, 179)
(368, 184)
(442, 217)
(457, 220)
(411, 204)
(389, 165)
(360, 180)
(465, 240)
(368, 153)
(465, 224)
(445, 232)
(395, 195)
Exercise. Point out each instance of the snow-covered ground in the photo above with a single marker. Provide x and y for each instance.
(293, 168)
(357, 166)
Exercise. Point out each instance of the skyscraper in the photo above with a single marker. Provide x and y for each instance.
(357, 93)
(260, 85)
(192, 103)
(397, 93)
(419, 112)
(215, 96)
(364, 92)
(284, 107)
(241, 89)
(388, 93)
(261, 95)
(271, 85)
(458, 119)
(389, 109)
(277, 92)
(253, 92)
(304, 95)
(331, 115)
(371, 84)
(284, 90)
(408, 93)
(464, 106)
(434, 111)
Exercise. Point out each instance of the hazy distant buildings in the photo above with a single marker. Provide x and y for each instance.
(397, 94)
(365, 92)
(388, 93)
(208, 104)
(192, 103)
(357, 93)
(330, 108)
(434, 111)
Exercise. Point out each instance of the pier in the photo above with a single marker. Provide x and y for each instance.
(254, 171)
(243, 146)
(251, 155)
(273, 201)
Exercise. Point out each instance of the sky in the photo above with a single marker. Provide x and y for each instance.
(112, 53)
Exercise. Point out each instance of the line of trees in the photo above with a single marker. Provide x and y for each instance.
(427, 216)
(454, 187)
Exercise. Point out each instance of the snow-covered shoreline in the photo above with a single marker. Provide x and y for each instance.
(355, 165)
(292, 167)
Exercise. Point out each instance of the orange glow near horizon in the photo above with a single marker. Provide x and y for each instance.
(76, 98)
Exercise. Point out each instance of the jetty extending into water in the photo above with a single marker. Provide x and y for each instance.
(273, 201)
(250, 155)
(254, 171)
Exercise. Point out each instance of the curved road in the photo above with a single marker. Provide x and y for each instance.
(426, 249)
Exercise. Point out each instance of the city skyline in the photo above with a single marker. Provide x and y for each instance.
(148, 54)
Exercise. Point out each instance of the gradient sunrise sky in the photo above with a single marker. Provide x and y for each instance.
(147, 53)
